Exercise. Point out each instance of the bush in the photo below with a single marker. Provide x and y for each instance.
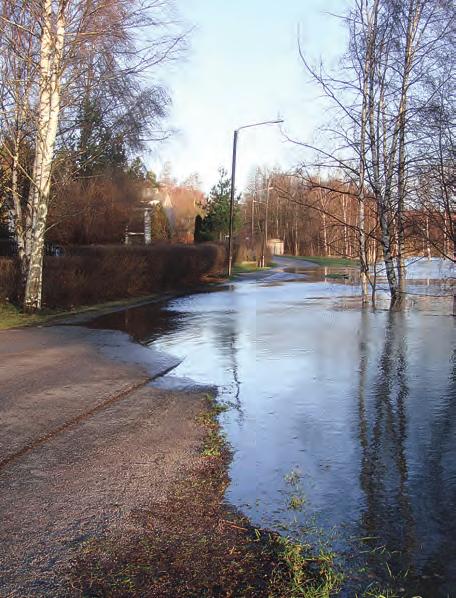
(9, 279)
(244, 252)
(95, 274)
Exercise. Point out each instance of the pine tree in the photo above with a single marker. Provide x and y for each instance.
(216, 224)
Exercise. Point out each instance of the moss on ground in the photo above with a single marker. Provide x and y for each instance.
(194, 545)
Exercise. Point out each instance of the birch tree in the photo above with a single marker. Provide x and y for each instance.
(53, 21)
(52, 56)
(378, 95)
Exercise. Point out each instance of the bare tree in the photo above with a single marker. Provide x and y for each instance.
(379, 94)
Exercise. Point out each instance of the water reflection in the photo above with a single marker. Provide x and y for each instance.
(143, 324)
(382, 434)
(361, 403)
(409, 492)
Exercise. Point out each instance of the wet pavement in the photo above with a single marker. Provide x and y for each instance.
(85, 445)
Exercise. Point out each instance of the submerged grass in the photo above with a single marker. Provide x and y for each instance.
(300, 574)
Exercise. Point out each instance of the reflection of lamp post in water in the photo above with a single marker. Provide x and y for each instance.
(233, 185)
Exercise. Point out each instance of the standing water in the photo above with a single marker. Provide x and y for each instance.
(343, 419)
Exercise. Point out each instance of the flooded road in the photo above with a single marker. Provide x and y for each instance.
(342, 419)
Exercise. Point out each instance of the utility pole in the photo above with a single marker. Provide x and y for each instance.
(233, 185)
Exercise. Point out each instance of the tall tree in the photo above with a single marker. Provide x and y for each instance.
(393, 47)
(217, 219)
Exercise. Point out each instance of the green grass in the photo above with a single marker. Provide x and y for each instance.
(296, 502)
(337, 276)
(248, 267)
(215, 441)
(13, 317)
(342, 262)
(302, 575)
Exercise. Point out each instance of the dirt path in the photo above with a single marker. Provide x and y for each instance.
(84, 445)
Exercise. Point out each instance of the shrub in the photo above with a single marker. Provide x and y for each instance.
(9, 279)
(95, 274)
(244, 252)
(88, 275)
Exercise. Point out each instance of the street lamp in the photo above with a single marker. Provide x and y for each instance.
(233, 184)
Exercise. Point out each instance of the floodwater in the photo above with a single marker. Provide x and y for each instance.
(344, 413)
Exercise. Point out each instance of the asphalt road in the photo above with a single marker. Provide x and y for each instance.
(84, 444)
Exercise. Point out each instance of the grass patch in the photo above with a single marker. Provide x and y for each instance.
(296, 502)
(214, 442)
(337, 276)
(342, 262)
(248, 268)
(13, 317)
(299, 574)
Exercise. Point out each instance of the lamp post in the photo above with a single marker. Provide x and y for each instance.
(233, 185)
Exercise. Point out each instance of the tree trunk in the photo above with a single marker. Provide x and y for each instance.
(19, 232)
(413, 17)
(325, 235)
(388, 259)
(51, 50)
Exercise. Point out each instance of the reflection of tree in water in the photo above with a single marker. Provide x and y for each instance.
(149, 322)
(145, 323)
(438, 478)
(382, 434)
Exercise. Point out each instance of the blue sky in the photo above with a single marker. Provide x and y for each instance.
(243, 66)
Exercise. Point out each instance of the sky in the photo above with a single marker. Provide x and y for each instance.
(243, 66)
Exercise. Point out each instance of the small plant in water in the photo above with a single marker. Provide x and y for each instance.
(293, 478)
(296, 503)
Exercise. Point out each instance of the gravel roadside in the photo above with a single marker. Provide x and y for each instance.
(84, 443)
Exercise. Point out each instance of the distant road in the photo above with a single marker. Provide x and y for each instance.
(292, 262)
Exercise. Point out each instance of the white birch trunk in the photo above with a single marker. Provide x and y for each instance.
(413, 18)
(325, 234)
(367, 72)
(18, 223)
(52, 42)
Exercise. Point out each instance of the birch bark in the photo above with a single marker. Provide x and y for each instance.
(51, 53)
(413, 18)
